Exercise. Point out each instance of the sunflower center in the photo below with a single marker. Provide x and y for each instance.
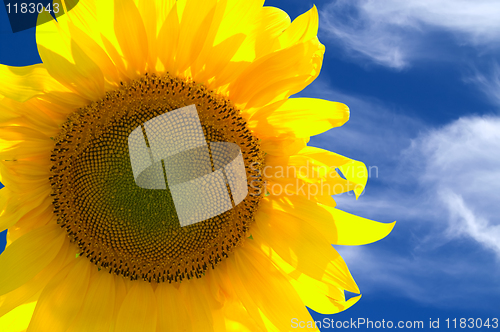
(157, 181)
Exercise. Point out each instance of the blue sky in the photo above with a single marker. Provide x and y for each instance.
(422, 80)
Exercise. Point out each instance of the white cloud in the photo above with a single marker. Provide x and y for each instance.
(444, 282)
(465, 222)
(442, 185)
(461, 172)
(392, 32)
(448, 177)
(488, 83)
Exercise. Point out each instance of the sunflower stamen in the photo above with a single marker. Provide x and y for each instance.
(129, 230)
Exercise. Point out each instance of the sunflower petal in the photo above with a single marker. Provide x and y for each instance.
(172, 314)
(355, 231)
(354, 171)
(317, 295)
(18, 319)
(283, 146)
(200, 311)
(194, 24)
(131, 35)
(97, 310)
(238, 320)
(278, 75)
(71, 76)
(325, 295)
(272, 22)
(300, 117)
(337, 226)
(138, 311)
(120, 293)
(148, 9)
(261, 287)
(23, 83)
(99, 56)
(168, 39)
(31, 289)
(205, 38)
(14, 206)
(27, 256)
(62, 299)
(300, 245)
(318, 169)
(238, 19)
(304, 27)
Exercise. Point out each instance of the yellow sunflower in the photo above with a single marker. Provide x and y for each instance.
(89, 249)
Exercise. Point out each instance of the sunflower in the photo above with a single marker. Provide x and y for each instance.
(91, 249)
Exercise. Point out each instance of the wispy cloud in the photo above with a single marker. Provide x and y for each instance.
(444, 282)
(393, 33)
(488, 81)
(441, 185)
(460, 172)
(466, 222)
(445, 177)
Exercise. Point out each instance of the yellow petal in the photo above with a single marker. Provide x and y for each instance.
(201, 312)
(39, 216)
(32, 113)
(62, 299)
(272, 22)
(46, 33)
(88, 67)
(304, 27)
(239, 18)
(337, 226)
(318, 169)
(120, 293)
(354, 230)
(354, 171)
(283, 146)
(27, 256)
(163, 7)
(73, 77)
(131, 35)
(301, 117)
(27, 204)
(65, 56)
(97, 311)
(138, 311)
(278, 75)
(172, 313)
(7, 113)
(314, 295)
(32, 288)
(300, 245)
(147, 9)
(260, 286)
(252, 30)
(99, 56)
(168, 39)
(90, 26)
(267, 24)
(194, 27)
(238, 320)
(23, 83)
(324, 295)
(18, 319)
